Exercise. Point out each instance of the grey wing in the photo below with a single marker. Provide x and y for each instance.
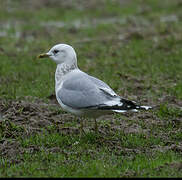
(102, 85)
(98, 82)
(80, 91)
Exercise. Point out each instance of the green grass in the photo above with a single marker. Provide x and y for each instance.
(134, 46)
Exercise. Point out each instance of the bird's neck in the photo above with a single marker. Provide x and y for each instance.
(62, 70)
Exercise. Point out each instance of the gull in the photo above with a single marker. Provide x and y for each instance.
(81, 94)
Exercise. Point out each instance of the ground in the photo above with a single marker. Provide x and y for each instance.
(134, 46)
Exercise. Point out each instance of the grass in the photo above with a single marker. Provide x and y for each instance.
(134, 46)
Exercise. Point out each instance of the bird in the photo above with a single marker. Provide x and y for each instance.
(82, 94)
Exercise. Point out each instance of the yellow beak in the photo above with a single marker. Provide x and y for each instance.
(43, 55)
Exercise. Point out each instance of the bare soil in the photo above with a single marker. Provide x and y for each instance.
(23, 118)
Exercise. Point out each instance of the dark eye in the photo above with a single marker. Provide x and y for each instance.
(55, 51)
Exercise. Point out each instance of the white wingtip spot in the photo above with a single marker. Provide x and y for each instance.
(146, 107)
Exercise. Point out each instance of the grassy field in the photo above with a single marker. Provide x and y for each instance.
(134, 46)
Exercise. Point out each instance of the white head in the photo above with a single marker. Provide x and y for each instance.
(61, 53)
